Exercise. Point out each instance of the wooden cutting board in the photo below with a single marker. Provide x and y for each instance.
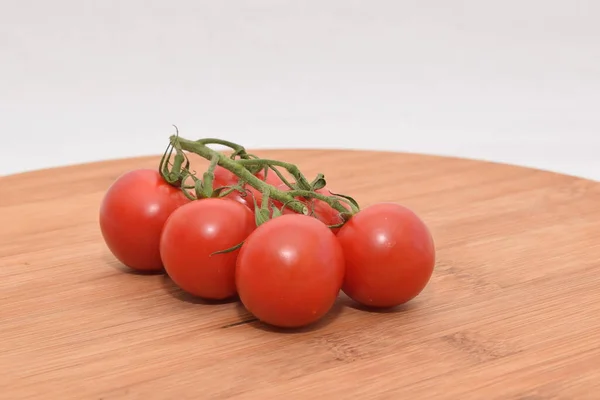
(512, 311)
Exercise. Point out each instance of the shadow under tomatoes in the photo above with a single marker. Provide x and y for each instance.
(246, 318)
(179, 294)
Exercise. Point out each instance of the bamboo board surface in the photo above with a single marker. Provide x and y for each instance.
(512, 310)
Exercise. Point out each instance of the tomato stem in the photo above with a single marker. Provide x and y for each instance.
(331, 200)
(209, 176)
(238, 150)
(263, 214)
(200, 148)
(245, 167)
(301, 181)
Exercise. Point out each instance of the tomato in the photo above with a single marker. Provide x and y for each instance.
(389, 253)
(195, 231)
(132, 214)
(290, 271)
(317, 208)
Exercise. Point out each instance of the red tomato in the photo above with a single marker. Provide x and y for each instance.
(195, 231)
(389, 253)
(289, 271)
(132, 214)
(318, 208)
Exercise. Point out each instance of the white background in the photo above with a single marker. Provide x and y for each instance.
(511, 81)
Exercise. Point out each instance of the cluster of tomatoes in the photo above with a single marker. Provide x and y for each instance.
(287, 271)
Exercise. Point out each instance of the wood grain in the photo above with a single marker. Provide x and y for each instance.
(512, 311)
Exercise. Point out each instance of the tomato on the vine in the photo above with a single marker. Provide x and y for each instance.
(132, 214)
(289, 271)
(190, 237)
(389, 253)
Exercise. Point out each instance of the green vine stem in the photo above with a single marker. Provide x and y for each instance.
(245, 167)
(238, 150)
(301, 181)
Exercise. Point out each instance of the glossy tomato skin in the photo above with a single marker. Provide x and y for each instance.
(389, 253)
(289, 271)
(195, 231)
(132, 214)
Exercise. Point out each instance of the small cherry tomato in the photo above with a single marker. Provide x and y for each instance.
(190, 237)
(389, 253)
(132, 214)
(289, 271)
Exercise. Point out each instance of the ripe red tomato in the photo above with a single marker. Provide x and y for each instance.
(132, 214)
(319, 209)
(389, 253)
(289, 271)
(195, 231)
